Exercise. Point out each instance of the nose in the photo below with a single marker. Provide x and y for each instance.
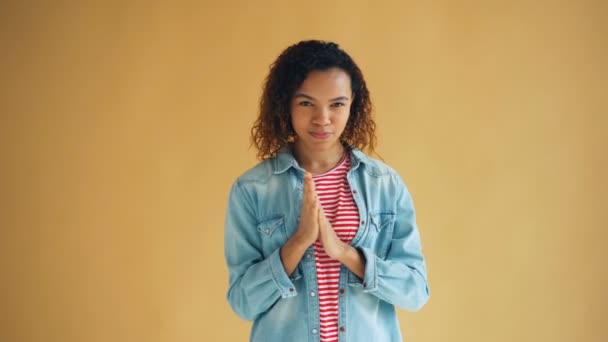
(321, 117)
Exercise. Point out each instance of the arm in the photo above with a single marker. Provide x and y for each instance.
(255, 282)
(292, 252)
(400, 278)
(354, 260)
(350, 257)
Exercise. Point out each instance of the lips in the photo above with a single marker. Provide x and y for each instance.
(320, 135)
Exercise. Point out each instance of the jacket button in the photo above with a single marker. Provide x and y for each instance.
(291, 289)
(365, 285)
(342, 329)
(314, 331)
(362, 222)
(312, 293)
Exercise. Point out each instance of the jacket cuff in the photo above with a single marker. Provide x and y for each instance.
(370, 277)
(284, 284)
(369, 283)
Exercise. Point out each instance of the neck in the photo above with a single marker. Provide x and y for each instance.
(318, 161)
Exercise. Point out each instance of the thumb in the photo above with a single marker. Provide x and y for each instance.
(320, 219)
(321, 214)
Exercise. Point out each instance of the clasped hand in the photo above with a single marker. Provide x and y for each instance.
(315, 225)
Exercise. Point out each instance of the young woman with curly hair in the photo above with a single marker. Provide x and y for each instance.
(321, 240)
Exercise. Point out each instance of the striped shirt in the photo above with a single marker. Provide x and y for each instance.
(341, 211)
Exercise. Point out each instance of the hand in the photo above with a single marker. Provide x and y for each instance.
(338, 249)
(308, 227)
(334, 247)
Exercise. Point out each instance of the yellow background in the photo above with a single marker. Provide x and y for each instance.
(124, 124)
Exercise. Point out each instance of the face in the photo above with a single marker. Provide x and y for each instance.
(320, 109)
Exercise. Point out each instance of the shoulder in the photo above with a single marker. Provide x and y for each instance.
(259, 173)
(261, 184)
(269, 169)
(250, 183)
(373, 166)
(386, 176)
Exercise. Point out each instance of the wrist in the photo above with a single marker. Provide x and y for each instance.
(354, 260)
(300, 241)
(343, 251)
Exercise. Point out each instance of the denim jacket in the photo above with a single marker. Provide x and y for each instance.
(263, 212)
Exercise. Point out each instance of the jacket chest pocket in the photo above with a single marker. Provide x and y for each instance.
(380, 232)
(272, 234)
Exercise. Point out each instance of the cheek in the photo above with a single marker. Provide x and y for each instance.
(344, 117)
(297, 119)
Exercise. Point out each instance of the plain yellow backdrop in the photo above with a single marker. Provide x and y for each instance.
(123, 125)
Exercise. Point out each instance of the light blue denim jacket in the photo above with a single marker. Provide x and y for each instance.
(263, 212)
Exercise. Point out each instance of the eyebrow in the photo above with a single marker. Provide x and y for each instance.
(340, 98)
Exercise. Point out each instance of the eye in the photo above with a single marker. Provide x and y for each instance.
(305, 103)
(338, 104)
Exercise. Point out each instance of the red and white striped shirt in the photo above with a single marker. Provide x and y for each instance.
(341, 211)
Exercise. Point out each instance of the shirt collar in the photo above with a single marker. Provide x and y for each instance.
(285, 159)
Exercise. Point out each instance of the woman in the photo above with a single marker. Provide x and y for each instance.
(321, 240)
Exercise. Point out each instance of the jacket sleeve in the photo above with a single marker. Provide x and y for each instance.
(400, 278)
(255, 282)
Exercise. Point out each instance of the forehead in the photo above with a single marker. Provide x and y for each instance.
(330, 83)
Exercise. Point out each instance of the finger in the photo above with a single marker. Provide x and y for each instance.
(320, 218)
(310, 186)
(306, 184)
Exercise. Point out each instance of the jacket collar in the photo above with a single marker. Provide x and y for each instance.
(285, 159)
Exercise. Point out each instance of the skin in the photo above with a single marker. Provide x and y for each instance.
(319, 112)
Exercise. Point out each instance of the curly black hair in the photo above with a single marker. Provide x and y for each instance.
(273, 129)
